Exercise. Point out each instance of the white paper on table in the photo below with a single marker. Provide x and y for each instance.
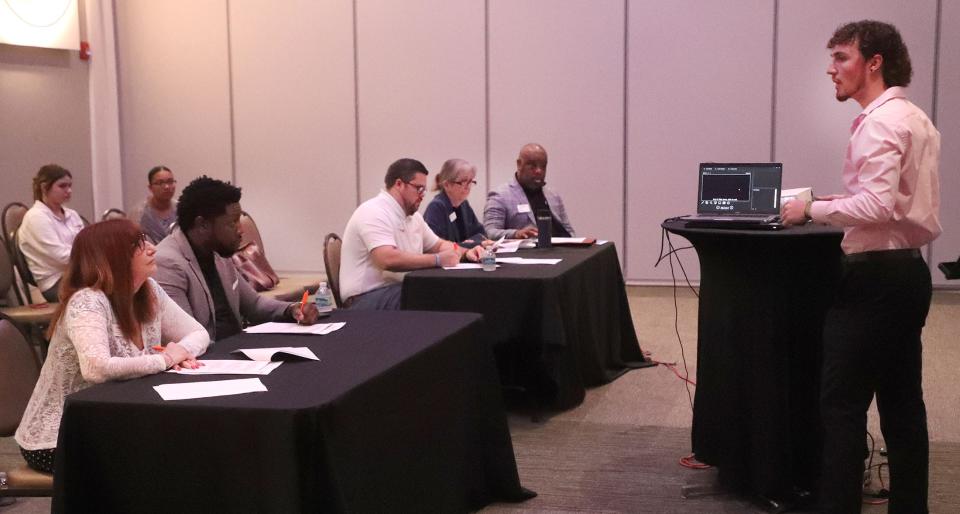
(568, 240)
(274, 327)
(602, 242)
(229, 367)
(508, 247)
(209, 389)
(267, 354)
(521, 260)
(466, 265)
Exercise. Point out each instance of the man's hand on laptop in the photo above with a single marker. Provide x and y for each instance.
(794, 212)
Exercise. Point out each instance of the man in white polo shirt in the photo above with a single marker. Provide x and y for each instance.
(386, 237)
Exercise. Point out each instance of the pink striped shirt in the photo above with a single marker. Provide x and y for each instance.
(891, 177)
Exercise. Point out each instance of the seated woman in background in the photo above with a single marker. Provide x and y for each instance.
(449, 214)
(111, 317)
(48, 228)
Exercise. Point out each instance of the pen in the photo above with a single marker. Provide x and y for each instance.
(303, 301)
(157, 348)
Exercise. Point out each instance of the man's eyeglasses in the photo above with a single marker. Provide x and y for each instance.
(463, 183)
(161, 183)
(420, 189)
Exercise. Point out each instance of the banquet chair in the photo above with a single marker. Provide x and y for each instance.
(23, 270)
(113, 214)
(291, 287)
(331, 263)
(19, 371)
(33, 319)
(13, 214)
(251, 234)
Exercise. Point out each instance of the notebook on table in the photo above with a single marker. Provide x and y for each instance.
(738, 196)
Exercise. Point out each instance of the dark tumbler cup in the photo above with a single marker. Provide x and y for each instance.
(544, 229)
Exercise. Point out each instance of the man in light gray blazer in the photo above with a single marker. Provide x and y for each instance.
(511, 209)
(195, 270)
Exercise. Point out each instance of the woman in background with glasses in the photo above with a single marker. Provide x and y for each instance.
(449, 214)
(111, 317)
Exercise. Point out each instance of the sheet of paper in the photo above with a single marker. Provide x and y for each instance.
(209, 389)
(266, 354)
(508, 246)
(521, 260)
(274, 327)
(229, 367)
(602, 242)
(568, 240)
(466, 265)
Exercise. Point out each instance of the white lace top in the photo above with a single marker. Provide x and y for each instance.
(89, 348)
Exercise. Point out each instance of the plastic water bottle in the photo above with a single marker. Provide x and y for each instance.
(488, 260)
(324, 298)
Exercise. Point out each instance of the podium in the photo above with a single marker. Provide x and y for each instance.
(763, 299)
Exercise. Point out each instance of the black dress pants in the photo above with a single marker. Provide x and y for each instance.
(872, 346)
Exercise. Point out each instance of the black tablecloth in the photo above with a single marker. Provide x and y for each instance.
(557, 328)
(402, 413)
(763, 298)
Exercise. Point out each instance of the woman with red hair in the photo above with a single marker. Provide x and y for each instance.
(110, 317)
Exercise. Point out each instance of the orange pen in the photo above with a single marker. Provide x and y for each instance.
(303, 300)
(157, 348)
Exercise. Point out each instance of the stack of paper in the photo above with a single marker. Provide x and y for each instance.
(521, 260)
(294, 328)
(798, 193)
(229, 367)
(209, 389)
(277, 353)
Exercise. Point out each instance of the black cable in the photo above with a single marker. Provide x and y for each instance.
(676, 306)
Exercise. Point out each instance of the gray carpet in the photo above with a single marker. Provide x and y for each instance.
(580, 466)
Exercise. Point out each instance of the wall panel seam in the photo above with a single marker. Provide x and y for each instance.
(233, 136)
(773, 82)
(356, 104)
(486, 91)
(626, 140)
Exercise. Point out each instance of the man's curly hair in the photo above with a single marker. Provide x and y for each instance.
(206, 197)
(878, 38)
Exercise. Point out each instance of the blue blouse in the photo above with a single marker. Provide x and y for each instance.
(464, 229)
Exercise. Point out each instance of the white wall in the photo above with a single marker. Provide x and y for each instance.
(627, 97)
(173, 69)
(44, 118)
(699, 90)
(294, 159)
(420, 88)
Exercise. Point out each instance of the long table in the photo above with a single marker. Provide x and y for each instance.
(402, 413)
(557, 329)
(763, 299)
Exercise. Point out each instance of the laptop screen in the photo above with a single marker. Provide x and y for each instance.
(746, 188)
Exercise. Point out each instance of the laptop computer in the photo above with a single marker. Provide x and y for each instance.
(738, 196)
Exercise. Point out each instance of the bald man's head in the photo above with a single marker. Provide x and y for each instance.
(532, 166)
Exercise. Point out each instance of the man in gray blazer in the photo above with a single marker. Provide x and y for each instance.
(194, 266)
(511, 209)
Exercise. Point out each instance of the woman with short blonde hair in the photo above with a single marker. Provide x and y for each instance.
(449, 214)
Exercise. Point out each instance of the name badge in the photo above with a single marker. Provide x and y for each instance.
(453, 216)
(235, 283)
(523, 207)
